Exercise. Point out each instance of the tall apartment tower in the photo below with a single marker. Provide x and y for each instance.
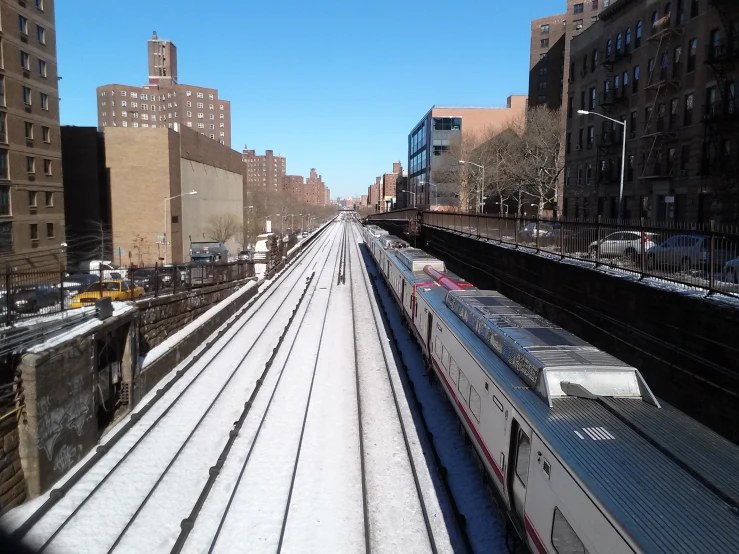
(163, 101)
(162, 62)
(549, 62)
(264, 171)
(31, 190)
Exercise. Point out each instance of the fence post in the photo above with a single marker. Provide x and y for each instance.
(643, 249)
(189, 276)
(561, 239)
(100, 273)
(8, 294)
(538, 220)
(597, 242)
(515, 230)
(711, 259)
(61, 288)
(175, 274)
(156, 279)
(131, 284)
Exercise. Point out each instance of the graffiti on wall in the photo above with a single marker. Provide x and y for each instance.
(71, 415)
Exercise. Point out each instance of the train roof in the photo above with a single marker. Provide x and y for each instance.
(416, 259)
(418, 277)
(376, 231)
(391, 242)
(551, 360)
(670, 482)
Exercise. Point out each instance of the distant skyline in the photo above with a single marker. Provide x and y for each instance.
(329, 85)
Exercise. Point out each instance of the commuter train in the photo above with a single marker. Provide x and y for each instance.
(582, 456)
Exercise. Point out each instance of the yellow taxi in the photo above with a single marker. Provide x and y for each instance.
(115, 289)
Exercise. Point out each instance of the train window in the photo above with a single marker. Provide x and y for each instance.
(437, 346)
(454, 372)
(475, 404)
(523, 453)
(564, 538)
(464, 384)
(498, 403)
(445, 357)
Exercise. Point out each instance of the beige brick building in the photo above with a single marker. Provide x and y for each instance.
(145, 167)
(31, 192)
(164, 102)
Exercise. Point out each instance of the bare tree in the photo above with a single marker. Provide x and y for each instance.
(539, 159)
(222, 227)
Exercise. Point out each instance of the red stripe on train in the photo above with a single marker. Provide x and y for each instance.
(477, 437)
(531, 530)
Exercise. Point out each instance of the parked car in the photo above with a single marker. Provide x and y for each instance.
(115, 289)
(72, 284)
(34, 297)
(529, 232)
(102, 267)
(245, 255)
(731, 271)
(144, 278)
(304, 234)
(623, 244)
(679, 251)
(170, 276)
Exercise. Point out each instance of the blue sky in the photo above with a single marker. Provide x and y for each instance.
(335, 85)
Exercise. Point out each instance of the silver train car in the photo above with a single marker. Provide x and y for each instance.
(584, 458)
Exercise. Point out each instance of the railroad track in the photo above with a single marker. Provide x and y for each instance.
(50, 522)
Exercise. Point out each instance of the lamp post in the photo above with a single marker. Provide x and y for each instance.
(504, 205)
(482, 187)
(414, 196)
(165, 218)
(436, 192)
(623, 158)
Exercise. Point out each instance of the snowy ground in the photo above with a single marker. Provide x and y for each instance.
(300, 476)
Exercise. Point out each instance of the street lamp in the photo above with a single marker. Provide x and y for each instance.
(436, 192)
(504, 205)
(623, 158)
(414, 196)
(482, 187)
(165, 218)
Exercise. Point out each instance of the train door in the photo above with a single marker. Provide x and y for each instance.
(402, 294)
(428, 331)
(518, 468)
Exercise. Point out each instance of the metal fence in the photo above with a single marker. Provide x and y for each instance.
(38, 294)
(696, 256)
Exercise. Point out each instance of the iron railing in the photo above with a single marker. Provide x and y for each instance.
(703, 257)
(38, 294)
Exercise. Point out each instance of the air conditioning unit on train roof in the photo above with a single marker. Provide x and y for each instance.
(415, 260)
(553, 362)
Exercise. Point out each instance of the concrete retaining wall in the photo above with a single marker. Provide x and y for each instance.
(12, 481)
(685, 347)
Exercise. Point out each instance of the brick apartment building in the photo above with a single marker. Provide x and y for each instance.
(31, 192)
(387, 191)
(121, 178)
(294, 185)
(316, 192)
(668, 71)
(373, 194)
(164, 102)
(549, 63)
(437, 131)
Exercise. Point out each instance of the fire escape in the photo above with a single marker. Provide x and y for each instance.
(721, 111)
(614, 98)
(660, 132)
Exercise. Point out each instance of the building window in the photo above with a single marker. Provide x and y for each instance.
(32, 199)
(44, 101)
(578, 24)
(144, 96)
(188, 114)
(212, 136)
(31, 165)
(591, 136)
(688, 115)
(693, 8)
(45, 134)
(3, 128)
(40, 5)
(212, 116)
(49, 199)
(4, 164)
(592, 98)
(222, 125)
(124, 113)
(25, 60)
(221, 107)
(29, 130)
(145, 116)
(41, 34)
(619, 42)
(637, 41)
(222, 117)
(211, 107)
(125, 124)
(544, 43)
(47, 167)
(49, 230)
(223, 134)
(200, 115)
(134, 95)
(564, 538)
(542, 56)
(4, 200)
(579, 8)
(212, 127)
(632, 125)
(200, 94)
(544, 29)
(210, 97)
(200, 105)
(189, 104)
(123, 103)
(23, 24)
(201, 125)
(33, 231)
